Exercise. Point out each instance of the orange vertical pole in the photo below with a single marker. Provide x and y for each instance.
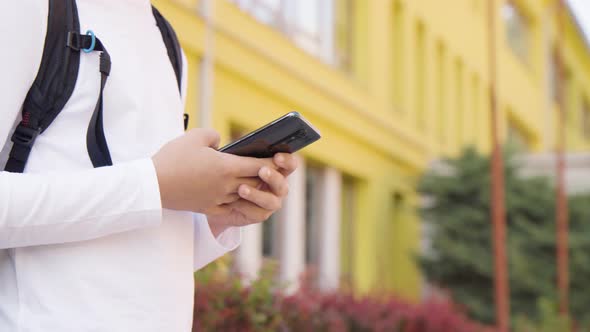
(561, 212)
(498, 213)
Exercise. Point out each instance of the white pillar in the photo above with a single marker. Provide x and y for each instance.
(249, 254)
(292, 230)
(330, 216)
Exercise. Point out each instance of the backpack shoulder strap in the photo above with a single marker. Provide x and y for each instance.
(53, 85)
(172, 44)
(173, 49)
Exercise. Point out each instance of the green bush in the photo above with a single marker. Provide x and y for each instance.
(549, 321)
(461, 256)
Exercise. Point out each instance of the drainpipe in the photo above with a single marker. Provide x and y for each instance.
(498, 214)
(561, 212)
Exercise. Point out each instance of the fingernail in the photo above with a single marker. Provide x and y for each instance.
(264, 172)
(245, 190)
(280, 158)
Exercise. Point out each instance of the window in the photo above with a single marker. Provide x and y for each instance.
(388, 238)
(305, 26)
(322, 28)
(586, 119)
(348, 231)
(517, 30)
(270, 238)
(313, 205)
(266, 11)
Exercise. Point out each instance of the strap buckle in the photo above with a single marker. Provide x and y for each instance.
(73, 40)
(78, 42)
(25, 136)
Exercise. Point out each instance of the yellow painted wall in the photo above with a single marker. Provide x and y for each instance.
(396, 111)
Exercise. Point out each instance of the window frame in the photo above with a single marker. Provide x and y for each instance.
(520, 43)
(322, 45)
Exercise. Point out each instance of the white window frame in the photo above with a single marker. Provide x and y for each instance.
(518, 35)
(321, 45)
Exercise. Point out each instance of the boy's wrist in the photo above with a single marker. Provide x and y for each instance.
(216, 225)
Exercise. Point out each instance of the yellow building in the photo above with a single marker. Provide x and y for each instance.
(392, 85)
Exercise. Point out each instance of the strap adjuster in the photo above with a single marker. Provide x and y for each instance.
(73, 40)
(79, 42)
(25, 136)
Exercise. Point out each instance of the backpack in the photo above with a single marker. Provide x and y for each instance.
(56, 79)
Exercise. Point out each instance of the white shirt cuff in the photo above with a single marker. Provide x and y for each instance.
(151, 187)
(207, 248)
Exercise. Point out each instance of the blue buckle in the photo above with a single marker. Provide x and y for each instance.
(92, 44)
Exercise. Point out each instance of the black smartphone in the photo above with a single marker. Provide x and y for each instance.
(289, 133)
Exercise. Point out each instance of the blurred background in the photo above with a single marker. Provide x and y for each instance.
(395, 198)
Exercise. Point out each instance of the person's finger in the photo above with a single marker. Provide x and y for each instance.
(230, 198)
(277, 182)
(251, 211)
(254, 182)
(286, 162)
(263, 199)
(247, 166)
(233, 185)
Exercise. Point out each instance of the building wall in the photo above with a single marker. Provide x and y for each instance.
(416, 89)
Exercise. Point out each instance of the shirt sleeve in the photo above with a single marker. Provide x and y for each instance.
(207, 248)
(38, 209)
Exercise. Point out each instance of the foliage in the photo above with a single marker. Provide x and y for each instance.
(549, 321)
(460, 259)
(224, 304)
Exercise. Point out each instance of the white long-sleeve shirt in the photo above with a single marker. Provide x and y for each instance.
(85, 249)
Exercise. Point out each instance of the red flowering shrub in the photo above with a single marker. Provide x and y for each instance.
(224, 305)
(310, 310)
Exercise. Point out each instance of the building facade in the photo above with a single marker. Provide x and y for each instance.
(392, 85)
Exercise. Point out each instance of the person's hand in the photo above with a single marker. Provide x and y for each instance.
(257, 203)
(193, 176)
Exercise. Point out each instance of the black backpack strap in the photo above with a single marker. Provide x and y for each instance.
(53, 85)
(172, 44)
(96, 142)
(173, 49)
